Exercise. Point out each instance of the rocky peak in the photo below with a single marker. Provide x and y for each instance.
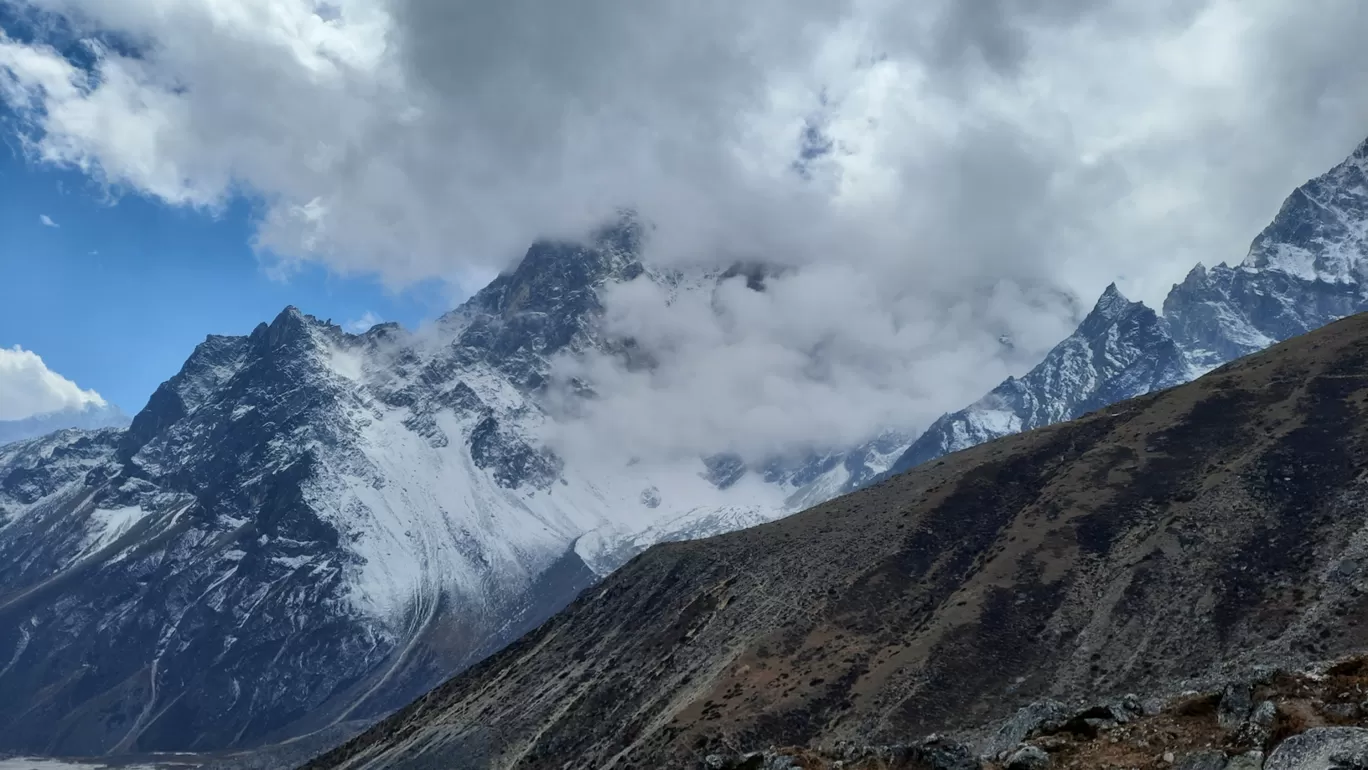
(1321, 231)
(1110, 307)
(1360, 153)
(1306, 269)
(291, 330)
(1195, 277)
(548, 303)
(1112, 302)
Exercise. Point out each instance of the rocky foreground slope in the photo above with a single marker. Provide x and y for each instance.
(1192, 533)
(1274, 719)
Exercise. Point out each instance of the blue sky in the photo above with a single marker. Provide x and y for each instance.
(120, 291)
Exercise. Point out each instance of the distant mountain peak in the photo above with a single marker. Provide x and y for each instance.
(1361, 152)
(1306, 269)
(1112, 302)
(88, 416)
(1321, 231)
(1110, 307)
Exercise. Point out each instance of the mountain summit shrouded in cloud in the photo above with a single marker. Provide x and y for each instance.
(980, 170)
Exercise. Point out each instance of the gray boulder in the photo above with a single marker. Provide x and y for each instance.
(1236, 702)
(1250, 760)
(1038, 716)
(1258, 727)
(1322, 748)
(1028, 758)
(781, 762)
(944, 754)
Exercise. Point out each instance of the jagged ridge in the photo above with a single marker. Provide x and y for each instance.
(1306, 269)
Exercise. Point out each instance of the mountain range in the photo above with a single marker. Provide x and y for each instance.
(1306, 269)
(90, 416)
(304, 529)
(1193, 539)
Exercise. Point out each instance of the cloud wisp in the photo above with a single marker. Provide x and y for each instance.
(29, 388)
(937, 176)
(362, 324)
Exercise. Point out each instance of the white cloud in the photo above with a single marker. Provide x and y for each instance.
(992, 165)
(362, 324)
(46, 221)
(28, 387)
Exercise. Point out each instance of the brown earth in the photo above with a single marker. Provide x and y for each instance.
(1175, 538)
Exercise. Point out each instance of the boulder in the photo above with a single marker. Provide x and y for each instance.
(1259, 726)
(944, 754)
(1027, 721)
(1237, 699)
(1028, 758)
(1250, 760)
(1322, 748)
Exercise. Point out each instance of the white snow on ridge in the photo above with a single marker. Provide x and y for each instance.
(425, 519)
(348, 363)
(106, 525)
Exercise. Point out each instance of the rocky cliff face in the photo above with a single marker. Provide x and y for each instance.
(1191, 533)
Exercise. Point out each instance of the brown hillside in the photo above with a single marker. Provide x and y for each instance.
(1181, 535)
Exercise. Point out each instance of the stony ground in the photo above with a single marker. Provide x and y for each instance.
(1247, 725)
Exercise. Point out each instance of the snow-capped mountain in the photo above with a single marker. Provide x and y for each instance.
(1121, 350)
(88, 417)
(1306, 269)
(306, 528)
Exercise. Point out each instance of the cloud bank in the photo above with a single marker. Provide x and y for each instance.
(937, 176)
(28, 387)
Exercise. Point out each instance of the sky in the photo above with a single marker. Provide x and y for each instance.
(106, 294)
(933, 177)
